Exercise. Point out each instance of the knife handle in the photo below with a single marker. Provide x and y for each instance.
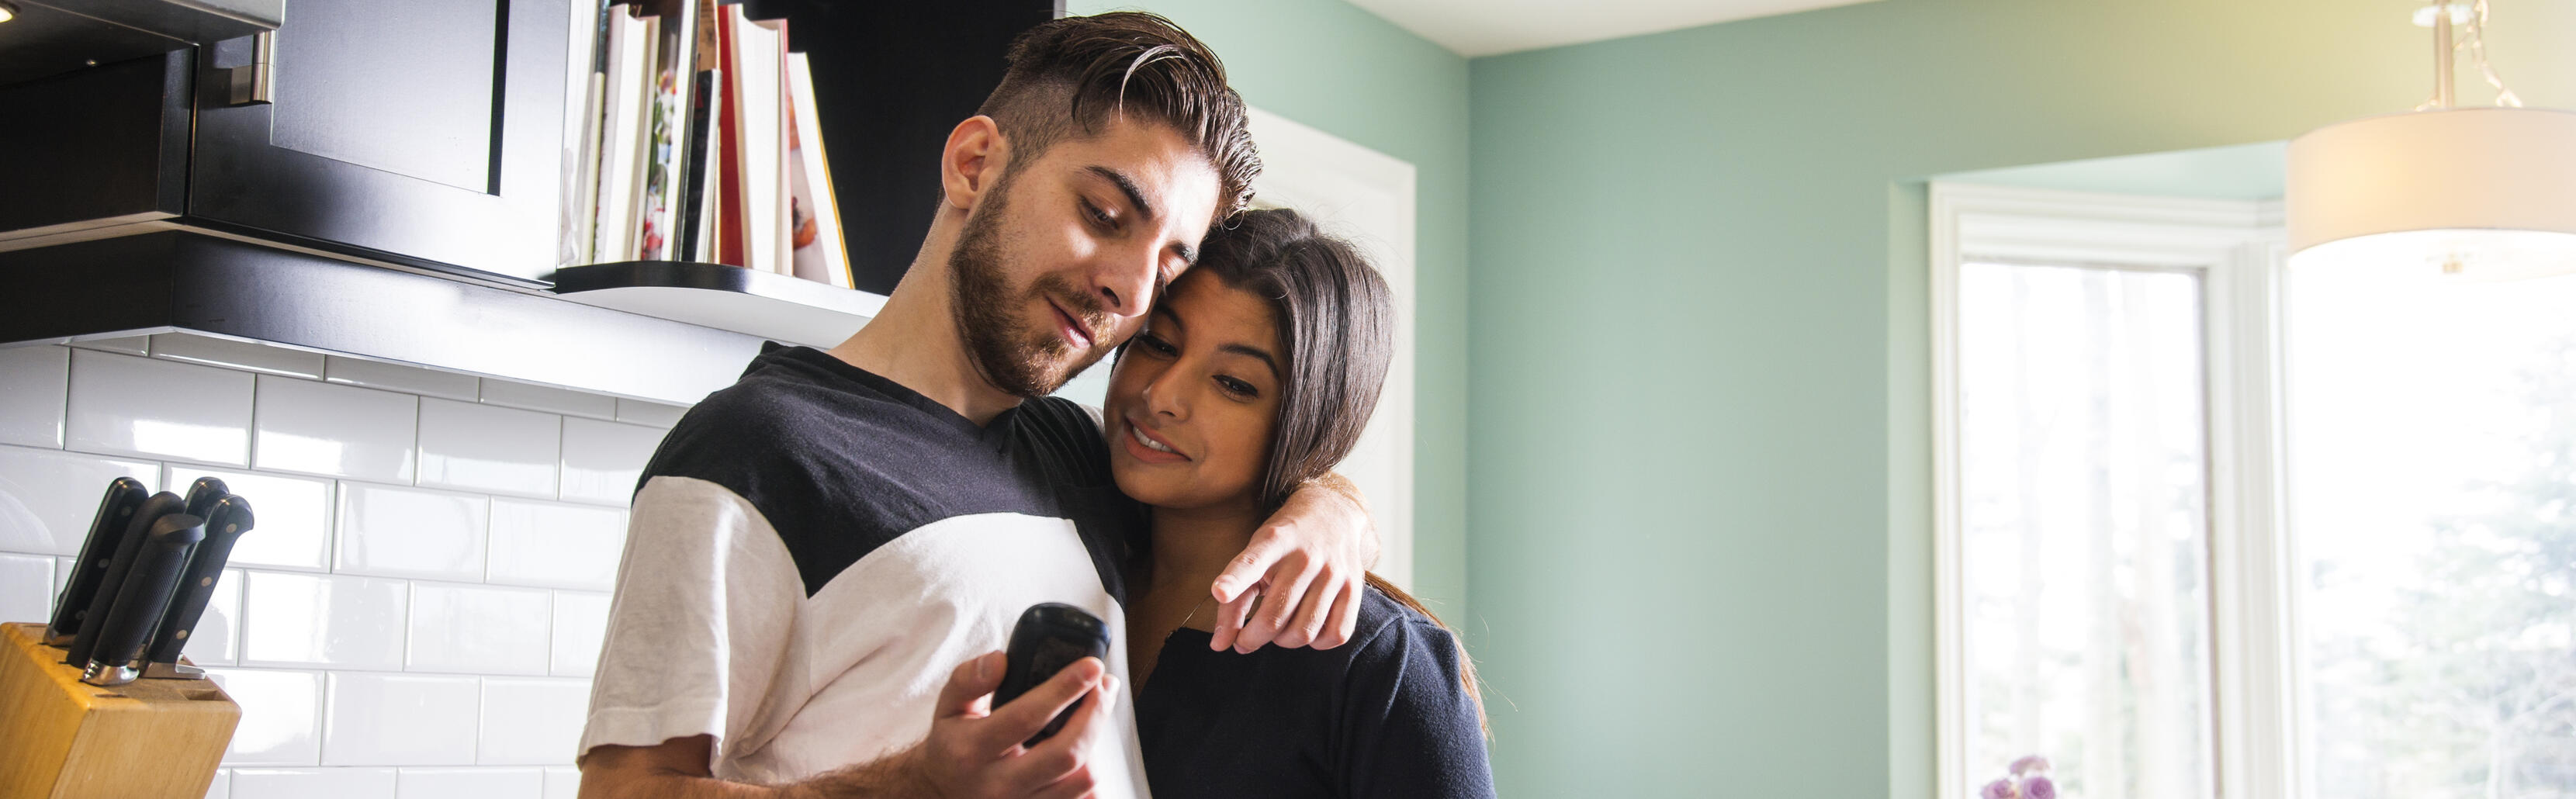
(106, 530)
(85, 641)
(139, 604)
(226, 519)
(202, 495)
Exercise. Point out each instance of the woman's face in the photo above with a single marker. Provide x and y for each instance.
(1193, 402)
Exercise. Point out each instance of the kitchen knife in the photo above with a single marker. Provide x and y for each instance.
(203, 494)
(139, 603)
(226, 519)
(85, 639)
(106, 530)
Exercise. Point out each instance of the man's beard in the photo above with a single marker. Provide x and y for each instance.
(1010, 356)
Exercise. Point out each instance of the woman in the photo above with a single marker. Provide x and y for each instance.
(1256, 373)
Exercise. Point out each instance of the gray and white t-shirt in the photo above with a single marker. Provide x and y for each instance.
(815, 548)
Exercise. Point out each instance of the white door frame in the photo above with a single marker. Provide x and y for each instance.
(1367, 198)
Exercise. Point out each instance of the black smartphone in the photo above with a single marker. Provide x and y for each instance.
(1049, 637)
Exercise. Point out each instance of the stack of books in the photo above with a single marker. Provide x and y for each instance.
(697, 141)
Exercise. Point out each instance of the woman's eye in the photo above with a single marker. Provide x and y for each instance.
(1238, 387)
(1155, 344)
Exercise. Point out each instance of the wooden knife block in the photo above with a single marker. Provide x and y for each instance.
(61, 738)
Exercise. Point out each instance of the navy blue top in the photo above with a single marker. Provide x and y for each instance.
(1381, 716)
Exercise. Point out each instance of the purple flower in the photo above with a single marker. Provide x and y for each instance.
(2029, 764)
(1999, 789)
(2038, 788)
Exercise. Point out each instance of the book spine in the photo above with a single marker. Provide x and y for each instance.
(704, 97)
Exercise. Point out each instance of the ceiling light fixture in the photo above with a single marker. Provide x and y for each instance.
(8, 11)
(2469, 193)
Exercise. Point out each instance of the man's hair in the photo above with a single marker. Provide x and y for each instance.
(1070, 77)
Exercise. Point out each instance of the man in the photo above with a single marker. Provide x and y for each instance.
(823, 556)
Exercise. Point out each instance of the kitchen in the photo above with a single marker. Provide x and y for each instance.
(439, 447)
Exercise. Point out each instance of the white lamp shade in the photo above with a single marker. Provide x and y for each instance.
(2489, 192)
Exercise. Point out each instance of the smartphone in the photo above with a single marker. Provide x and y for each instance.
(1049, 637)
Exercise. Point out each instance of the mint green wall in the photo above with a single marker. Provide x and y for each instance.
(1697, 453)
(1331, 66)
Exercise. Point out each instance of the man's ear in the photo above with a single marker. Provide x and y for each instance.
(975, 157)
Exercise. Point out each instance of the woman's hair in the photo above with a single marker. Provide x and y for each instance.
(1336, 323)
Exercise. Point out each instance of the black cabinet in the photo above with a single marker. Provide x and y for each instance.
(426, 131)
(430, 134)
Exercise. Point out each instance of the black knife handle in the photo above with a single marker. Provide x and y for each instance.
(203, 494)
(106, 530)
(226, 519)
(85, 640)
(141, 600)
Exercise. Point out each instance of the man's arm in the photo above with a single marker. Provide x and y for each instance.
(970, 753)
(1299, 582)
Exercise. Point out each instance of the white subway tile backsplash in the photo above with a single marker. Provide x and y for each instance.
(323, 620)
(343, 431)
(489, 449)
(399, 720)
(26, 588)
(601, 460)
(651, 414)
(411, 532)
(549, 400)
(216, 640)
(290, 516)
(313, 783)
(237, 354)
(425, 624)
(554, 544)
(222, 786)
(48, 498)
(130, 345)
(281, 716)
(471, 783)
(563, 782)
(581, 622)
(397, 377)
(33, 382)
(477, 629)
(123, 405)
(532, 722)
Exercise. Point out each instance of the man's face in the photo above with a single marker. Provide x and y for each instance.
(1060, 260)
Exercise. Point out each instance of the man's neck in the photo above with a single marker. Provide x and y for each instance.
(914, 342)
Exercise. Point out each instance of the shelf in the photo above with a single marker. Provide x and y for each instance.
(182, 280)
(763, 304)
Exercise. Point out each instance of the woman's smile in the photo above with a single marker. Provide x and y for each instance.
(1148, 447)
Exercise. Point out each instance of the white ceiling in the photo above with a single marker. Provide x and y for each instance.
(1488, 27)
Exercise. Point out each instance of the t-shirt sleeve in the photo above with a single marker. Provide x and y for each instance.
(1410, 729)
(706, 603)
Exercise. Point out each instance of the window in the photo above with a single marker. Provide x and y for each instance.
(2433, 503)
(2084, 528)
(2089, 500)
(2207, 527)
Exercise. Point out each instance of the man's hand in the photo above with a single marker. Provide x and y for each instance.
(970, 754)
(1299, 582)
(974, 753)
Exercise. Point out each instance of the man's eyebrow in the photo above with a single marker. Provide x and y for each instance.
(1257, 352)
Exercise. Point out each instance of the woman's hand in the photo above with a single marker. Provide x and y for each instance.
(1300, 580)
